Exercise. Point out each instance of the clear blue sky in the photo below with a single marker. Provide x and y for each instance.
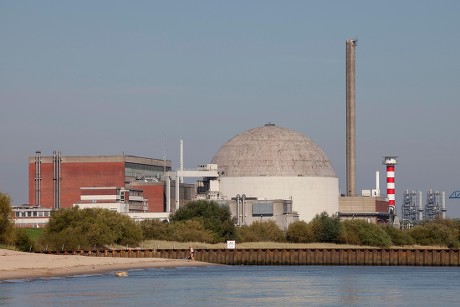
(112, 77)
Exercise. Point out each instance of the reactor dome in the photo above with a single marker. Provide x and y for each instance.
(273, 163)
(272, 151)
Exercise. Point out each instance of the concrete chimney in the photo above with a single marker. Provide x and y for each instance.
(350, 117)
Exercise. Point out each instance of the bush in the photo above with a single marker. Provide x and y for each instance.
(215, 218)
(155, 230)
(360, 232)
(435, 234)
(300, 232)
(399, 237)
(191, 231)
(325, 228)
(260, 232)
(7, 232)
(23, 241)
(75, 228)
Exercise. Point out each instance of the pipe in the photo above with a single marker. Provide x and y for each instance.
(37, 177)
(420, 206)
(238, 209)
(443, 205)
(377, 183)
(177, 193)
(168, 193)
(181, 166)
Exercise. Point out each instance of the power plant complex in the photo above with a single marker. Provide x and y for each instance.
(264, 173)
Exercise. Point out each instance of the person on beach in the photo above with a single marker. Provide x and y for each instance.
(191, 255)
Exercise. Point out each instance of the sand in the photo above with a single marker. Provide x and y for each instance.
(19, 265)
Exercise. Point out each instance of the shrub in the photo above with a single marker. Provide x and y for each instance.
(216, 218)
(87, 228)
(23, 241)
(191, 231)
(7, 232)
(325, 228)
(360, 232)
(300, 232)
(435, 234)
(399, 237)
(155, 229)
(260, 232)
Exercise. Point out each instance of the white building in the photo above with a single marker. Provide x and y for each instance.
(271, 162)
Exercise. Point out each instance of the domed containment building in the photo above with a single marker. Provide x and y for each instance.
(272, 162)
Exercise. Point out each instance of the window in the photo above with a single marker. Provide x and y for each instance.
(262, 209)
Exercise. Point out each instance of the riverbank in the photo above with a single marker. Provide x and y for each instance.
(20, 265)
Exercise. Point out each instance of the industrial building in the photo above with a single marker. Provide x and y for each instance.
(415, 208)
(264, 173)
(275, 163)
(60, 181)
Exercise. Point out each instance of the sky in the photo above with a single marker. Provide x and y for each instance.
(135, 77)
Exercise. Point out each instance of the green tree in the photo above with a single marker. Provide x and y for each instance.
(399, 237)
(23, 241)
(435, 234)
(326, 228)
(190, 231)
(74, 228)
(7, 231)
(360, 232)
(300, 232)
(216, 218)
(155, 230)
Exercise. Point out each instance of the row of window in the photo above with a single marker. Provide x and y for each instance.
(32, 213)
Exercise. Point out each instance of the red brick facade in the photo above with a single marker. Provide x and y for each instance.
(154, 192)
(86, 172)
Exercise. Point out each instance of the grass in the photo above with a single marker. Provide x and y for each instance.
(34, 233)
(157, 244)
(254, 245)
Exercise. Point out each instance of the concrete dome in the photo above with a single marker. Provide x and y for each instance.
(272, 151)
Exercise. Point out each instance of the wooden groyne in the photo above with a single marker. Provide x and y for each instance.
(313, 256)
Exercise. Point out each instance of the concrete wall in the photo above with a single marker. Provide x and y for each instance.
(310, 195)
(280, 217)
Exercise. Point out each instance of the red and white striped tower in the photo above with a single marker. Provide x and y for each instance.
(390, 162)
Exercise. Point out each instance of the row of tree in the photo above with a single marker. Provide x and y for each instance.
(203, 221)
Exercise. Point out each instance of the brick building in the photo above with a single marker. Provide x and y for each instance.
(56, 181)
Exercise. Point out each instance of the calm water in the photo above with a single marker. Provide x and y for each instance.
(245, 285)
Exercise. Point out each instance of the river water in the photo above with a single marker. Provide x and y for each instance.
(245, 286)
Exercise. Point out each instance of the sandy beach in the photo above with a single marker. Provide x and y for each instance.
(20, 265)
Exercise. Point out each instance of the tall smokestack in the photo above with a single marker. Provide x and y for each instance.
(350, 116)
